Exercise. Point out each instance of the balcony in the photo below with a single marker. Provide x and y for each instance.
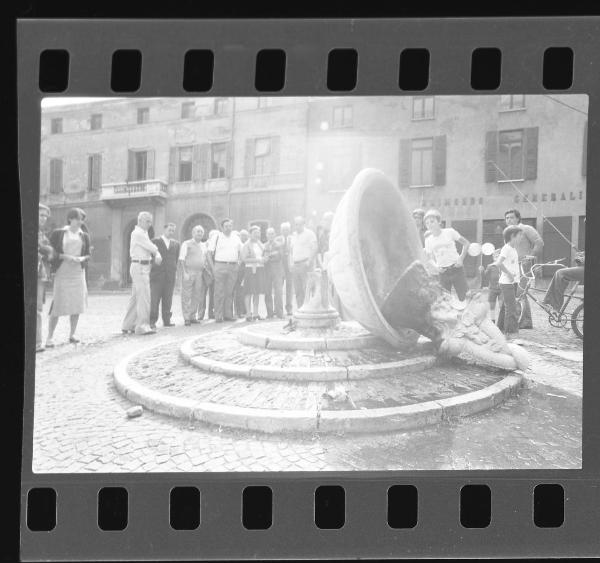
(123, 192)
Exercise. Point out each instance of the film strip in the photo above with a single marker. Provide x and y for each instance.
(547, 506)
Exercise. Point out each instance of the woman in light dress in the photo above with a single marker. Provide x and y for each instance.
(254, 273)
(71, 252)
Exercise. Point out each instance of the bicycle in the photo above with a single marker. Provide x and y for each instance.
(556, 319)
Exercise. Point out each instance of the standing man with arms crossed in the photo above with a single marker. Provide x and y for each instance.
(141, 251)
(225, 248)
(304, 247)
(162, 276)
(529, 248)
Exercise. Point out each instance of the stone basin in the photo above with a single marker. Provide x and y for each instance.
(373, 241)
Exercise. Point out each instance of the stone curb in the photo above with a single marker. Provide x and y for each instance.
(275, 421)
(299, 373)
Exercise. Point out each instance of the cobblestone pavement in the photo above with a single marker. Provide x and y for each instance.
(80, 423)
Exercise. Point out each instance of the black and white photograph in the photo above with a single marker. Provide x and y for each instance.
(340, 283)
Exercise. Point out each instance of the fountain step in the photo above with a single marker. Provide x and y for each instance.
(160, 380)
(224, 354)
(274, 335)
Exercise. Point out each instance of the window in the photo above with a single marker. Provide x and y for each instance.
(262, 156)
(187, 110)
(342, 117)
(220, 106)
(421, 158)
(140, 165)
(510, 155)
(96, 121)
(512, 102)
(218, 160)
(56, 175)
(423, 107)
(56, 125)
(94, 171)
(143, 115)
(184, 169)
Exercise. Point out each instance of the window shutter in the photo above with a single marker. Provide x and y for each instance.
(405, 148)
(130, 165)
(97, 171)
(249, 158)
(173, 165)
(439, 160)
(200, 162)
(59, 184)
(585, 151)
(531, 152)
(275, 154)
(150, 165)
(229, 160)
(491, 156)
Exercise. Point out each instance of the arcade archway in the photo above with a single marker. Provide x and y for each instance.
(207, 222)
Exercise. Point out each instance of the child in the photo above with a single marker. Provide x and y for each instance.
(508, 262)
(440, 247)
(490, 279)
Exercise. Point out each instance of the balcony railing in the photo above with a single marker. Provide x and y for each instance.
(137, 189)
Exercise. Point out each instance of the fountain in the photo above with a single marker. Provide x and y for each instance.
(412, 355)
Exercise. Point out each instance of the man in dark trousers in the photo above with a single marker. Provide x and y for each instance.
(162, 276)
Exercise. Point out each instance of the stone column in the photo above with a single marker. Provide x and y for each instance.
(316, 311)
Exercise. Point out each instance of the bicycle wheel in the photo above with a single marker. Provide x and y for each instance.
(577, 321)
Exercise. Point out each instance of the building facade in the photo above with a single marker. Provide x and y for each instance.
(264, 160)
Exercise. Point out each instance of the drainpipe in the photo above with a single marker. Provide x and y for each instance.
(306, 159)
(232, 158)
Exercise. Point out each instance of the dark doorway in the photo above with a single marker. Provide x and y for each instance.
(468, 229)
(492, 232)
(556, 241)
(207, 222)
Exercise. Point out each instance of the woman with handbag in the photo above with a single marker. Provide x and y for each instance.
(71, 246)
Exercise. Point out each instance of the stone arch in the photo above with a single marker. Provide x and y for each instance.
(207, 221)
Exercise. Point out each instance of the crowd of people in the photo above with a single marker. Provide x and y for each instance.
(522, 248)
(224, 276)
(227, 274)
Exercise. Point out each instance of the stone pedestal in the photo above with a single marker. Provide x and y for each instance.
(316, 311)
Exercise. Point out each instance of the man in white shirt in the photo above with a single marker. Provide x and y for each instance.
(303, 251)
(508, 262)
(225, 248)
(193, 262)
(440, 248)
(162, 276)
(141, 251)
